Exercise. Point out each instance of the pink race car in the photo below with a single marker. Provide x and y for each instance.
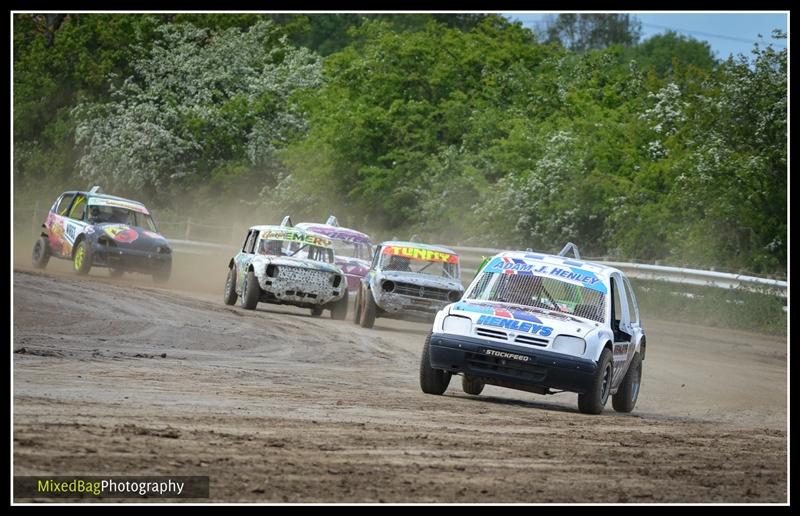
(353, 249)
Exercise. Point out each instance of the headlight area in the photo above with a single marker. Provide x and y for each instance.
(457, 325)
(569, 345)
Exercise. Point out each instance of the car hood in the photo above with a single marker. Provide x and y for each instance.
(291, 261)
(511, 317)
(124, 235)
(423, 280)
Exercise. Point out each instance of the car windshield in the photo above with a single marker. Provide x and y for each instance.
(543, 292)
(419, 261)
(349, 249)
(277, 247)
(114, 214)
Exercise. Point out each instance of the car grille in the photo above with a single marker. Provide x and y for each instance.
(501, 335)
(407, 289)
(492, 334)
(524, 339)
(305, 277)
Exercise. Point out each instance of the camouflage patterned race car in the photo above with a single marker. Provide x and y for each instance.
(286, 265)
(97, 230)
(408, 280)
(353, 249)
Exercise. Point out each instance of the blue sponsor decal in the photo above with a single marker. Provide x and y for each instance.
(466, 307)
(498, 265)
(513, 324)
(572, 274)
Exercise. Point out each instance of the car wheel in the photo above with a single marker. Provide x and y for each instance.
(368, 310)
(431, 381)
(115, 273)
(471, 385)
(251, 291)
(339, 309)
(357, 307)
(41, 253)
(627, 394)
(82, 258)
(230, 287)
(317, 311)
(593, 401)
(162, 274)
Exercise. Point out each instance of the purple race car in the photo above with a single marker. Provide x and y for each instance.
(353, 249)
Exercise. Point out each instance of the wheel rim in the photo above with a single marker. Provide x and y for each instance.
(228, 284)
(79, 258)
(37, 250)
(606, 383)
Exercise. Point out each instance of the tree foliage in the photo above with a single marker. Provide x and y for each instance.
(461, 128)
(198, 101)
(590, 31)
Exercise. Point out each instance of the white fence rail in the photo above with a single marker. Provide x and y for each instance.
(472, 256)
(184, 238)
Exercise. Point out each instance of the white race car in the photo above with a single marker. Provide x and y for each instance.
(541, 323)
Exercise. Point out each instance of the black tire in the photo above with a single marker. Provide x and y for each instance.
(230, 287)
(471, 385)
(593, 401)
(162, 274)
(339, 308)
(627, 394)
(251, 291)
(431, 381)
(115, 273)
(82, 258)
(317, 311)
(368, 310)
(357, 307)
(41, 253)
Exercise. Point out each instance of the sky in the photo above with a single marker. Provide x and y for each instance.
(727, 33)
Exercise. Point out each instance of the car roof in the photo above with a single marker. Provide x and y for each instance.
(335, 232)
(102, 196)
(418, 245)
(554, 259)
(289, 229)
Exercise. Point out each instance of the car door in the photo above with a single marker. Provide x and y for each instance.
(637, 332)
(623, 347)
(75, 221)
(243, 259)
(56, 223)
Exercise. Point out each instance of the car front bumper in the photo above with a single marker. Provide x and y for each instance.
(510, 366)
(399, 305)
(130, 259)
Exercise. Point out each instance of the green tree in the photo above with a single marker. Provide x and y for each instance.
(586, 31)
(664, 53)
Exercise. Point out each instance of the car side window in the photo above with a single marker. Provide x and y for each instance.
(376, 257)
(63, 204)
(78, 210)
(616, 304)
(246, 240)
(252, 243)
(633, 310)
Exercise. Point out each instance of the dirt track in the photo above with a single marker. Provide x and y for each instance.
(276, 406)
